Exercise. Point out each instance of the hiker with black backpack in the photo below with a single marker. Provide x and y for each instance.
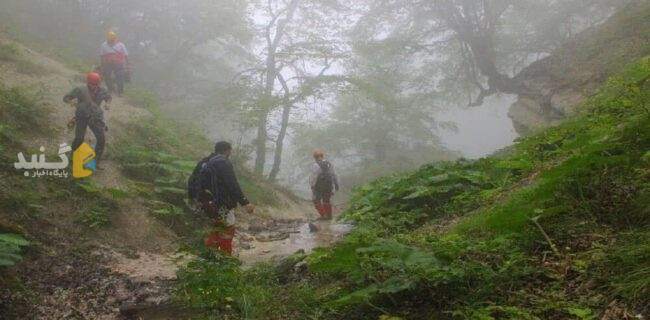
(88, 100)
(213, 187)
(323, 181)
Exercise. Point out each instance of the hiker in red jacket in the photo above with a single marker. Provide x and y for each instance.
(115, 63)
(323, 181)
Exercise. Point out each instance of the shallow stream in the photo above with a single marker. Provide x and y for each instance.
(304, 237)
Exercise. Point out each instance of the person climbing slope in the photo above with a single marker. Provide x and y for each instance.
(88, 99)
(323, 181)
(213, 186)
(114, 63)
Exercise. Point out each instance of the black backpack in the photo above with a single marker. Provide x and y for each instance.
(199, 184)
(325, 180)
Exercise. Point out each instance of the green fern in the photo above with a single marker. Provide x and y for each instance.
(10, 248)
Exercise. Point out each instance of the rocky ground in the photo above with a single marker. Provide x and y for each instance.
(92, 281)
(65, 283)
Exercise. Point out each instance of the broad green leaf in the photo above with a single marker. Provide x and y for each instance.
(13, 239)
(356, 297)
(10, 256)
(6, 262)
(117, 193)
(439, 178)
(582, 313)
(90, 187)
(421, 192)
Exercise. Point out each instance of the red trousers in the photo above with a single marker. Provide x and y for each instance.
(220, 237)
(323, 205)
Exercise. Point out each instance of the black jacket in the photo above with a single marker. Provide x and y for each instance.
(217, 174)
(99, 96)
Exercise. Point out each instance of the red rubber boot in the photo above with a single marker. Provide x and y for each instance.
(320, 208)
(327, 208)
(222, 239)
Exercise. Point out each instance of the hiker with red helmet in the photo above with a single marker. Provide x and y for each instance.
(323, 181)
(88, 99)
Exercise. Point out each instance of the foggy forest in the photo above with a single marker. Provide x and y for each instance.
(325, 159)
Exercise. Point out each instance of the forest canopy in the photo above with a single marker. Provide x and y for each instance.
(363, 79)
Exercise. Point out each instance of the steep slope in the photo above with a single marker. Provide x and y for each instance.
(577, 69)
(556, 227)
(132, 226)
(111, 239)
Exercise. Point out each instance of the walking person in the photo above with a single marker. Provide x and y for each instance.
(114, 63)
(323, 181)
(88, 99)
(213, 187)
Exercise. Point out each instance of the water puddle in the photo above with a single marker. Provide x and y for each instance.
(279, 240)
(305, 237)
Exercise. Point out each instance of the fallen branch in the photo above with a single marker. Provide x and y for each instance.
(548, 239)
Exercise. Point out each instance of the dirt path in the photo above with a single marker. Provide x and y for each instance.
(134, 259)
(131, 225)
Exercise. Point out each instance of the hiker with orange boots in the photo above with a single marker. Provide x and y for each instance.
(323, 181)
(213, 187)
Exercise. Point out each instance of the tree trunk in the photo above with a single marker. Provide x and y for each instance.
(279, 143)
(265, 107)
(476, 28)
(271, 74)
(260, 144)
(286, 113)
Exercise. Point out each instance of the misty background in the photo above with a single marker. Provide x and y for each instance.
(382, 85)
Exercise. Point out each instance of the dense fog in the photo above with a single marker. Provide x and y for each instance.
(381, 85)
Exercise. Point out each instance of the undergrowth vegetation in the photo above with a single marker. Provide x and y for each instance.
(27, 203)
(9, 52)
(21, 113)
(158, 155)
(10, 248)
(554, 228)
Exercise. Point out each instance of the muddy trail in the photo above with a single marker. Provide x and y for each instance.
(96, 281)
(280, 238)
(259, 241)
(127, 269)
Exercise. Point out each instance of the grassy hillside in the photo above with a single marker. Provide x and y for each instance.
(155, 152)
(555, 229)
(135, 204)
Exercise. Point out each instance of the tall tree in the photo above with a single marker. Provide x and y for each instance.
(301, 40)
(280, 18)
(381, 120)
(472, 46)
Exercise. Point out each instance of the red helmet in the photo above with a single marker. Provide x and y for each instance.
(94, 78)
